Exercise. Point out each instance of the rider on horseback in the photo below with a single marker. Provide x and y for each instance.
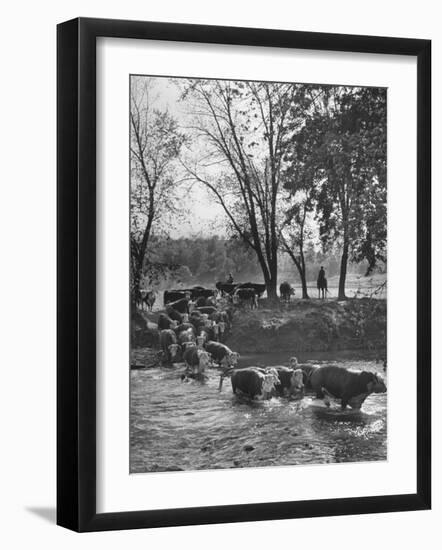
(321, 283)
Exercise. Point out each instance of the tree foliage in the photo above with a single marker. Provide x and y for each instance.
(243, 126)
(340, 155)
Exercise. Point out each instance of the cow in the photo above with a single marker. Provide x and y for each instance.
(200, 302)
(254, 383)
(286, 291)
(257, 287)
(186, 336)
(222, 330)
(351, 387)
(290, 380)
(221, 354)
(307, 371)
(174, 295)
(225, 288)
(147, 297)
(201, 339)
(199, 291)
(184, 326)
(182, 305)
(168, 345)
(245, 296)
(174, 314)
(164, 321)
(207, 332)
(215, 331)
(196, 360)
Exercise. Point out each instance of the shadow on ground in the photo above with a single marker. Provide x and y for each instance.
(46, 513)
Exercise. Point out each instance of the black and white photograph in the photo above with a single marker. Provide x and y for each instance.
(258, 271)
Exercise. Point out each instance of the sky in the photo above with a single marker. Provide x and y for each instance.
(203, 215)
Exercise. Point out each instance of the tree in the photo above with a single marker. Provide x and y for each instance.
(155, 143)
(342, 146)
(242, 127)
(294, 233)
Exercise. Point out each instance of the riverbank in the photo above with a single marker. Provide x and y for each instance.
(311, 325)
(301, 326)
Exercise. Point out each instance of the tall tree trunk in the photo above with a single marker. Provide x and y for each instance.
(271, 290)
(271, 287)
(343, 272)
(305, 295)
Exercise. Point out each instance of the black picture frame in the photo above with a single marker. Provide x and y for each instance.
(76, 274)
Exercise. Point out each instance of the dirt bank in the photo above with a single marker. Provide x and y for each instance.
(302, 326)
(311, 325)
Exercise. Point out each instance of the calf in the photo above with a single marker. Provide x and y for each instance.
(221, 354)
(254, 383)
(286, 291)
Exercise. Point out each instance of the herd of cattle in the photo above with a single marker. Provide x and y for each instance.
(194, 327)
(327, 382)
(236, 293)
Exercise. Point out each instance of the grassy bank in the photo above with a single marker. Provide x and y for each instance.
(303, 325)
(311, 325)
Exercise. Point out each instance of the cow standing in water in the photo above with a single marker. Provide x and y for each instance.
(321, 283)
(351, 387)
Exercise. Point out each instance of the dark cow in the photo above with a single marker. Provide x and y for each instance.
(174, 295)
(257, 287)
(254, 383)
(182, 306)
(225, 288)
(196, 360)
(174, 314)
(222, 354)
(307, 371)
(352, 387)
(164, 321)
(286, 291)
(201, 292)
(200, 302)
(168, 345)
(245, 296)
(206, 309)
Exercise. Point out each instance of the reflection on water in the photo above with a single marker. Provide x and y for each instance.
(192, 426)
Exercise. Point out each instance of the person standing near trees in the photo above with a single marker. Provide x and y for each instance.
(230, 279)
(321, 283)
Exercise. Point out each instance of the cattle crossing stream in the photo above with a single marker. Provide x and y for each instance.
(190, 426)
